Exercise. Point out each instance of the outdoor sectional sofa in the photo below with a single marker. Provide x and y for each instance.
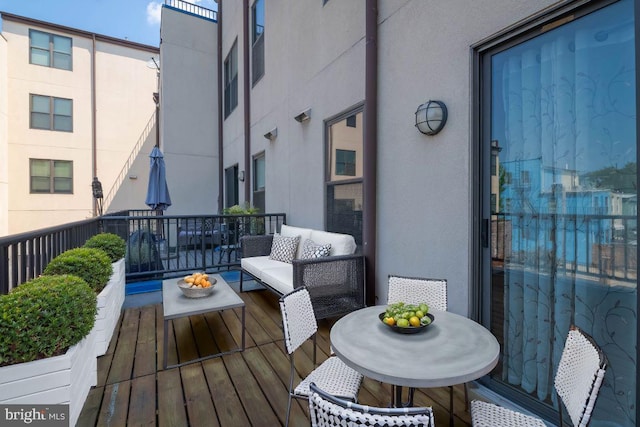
(335, 282)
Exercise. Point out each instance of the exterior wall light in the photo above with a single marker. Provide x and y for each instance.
(271, 135)
(303, 116)
(431, 117)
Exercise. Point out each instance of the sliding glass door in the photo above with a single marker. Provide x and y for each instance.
(561, 150)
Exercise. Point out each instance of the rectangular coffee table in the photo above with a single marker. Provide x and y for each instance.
(176, 305)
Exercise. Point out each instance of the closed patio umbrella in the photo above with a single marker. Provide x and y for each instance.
(157, 192)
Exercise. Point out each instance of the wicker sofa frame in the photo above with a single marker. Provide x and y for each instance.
(335, 283)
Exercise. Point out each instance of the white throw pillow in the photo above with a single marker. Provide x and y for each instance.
(284, 248)
(311, 249)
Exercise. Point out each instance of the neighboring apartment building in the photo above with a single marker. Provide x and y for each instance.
(310, 111)
(73, 105)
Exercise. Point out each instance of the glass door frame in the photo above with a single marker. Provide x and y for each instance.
(480, 292)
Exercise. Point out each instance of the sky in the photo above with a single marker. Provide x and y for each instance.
(134, 20)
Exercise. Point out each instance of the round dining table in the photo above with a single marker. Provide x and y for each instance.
(451, 350)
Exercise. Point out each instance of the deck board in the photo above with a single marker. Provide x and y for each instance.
(245, 388)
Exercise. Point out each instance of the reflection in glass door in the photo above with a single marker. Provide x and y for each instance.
(564, 205)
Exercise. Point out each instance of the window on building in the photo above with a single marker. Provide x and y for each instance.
(50, 50)
(231, 186)
(344, 182)
(51, 176)
(259, 182)
(231, 80)
(48, 112)
(346, 162)
(257, 40)
(560, 96)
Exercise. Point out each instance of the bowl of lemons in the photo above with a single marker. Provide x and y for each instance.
(407, 318)
(197, 285)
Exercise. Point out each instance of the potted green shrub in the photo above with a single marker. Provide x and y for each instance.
(94, 267)
(46, 344)
(111, 243)
(252, 225)
(111, 298)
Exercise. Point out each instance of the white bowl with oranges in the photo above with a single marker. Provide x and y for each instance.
(197, 285)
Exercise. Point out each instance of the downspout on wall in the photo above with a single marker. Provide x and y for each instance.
(94, 142)
(220, 114)
(370, 148)
(247, 100)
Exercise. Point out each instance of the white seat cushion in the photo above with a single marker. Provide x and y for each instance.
(341, 244)
(279, 278)
(257, 264)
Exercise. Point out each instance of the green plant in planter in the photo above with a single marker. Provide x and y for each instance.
(44, 317)
(246, 209)
(112, 244)
(90, 264)
(253, 225)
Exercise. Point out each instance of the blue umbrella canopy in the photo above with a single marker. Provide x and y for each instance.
(157, 193)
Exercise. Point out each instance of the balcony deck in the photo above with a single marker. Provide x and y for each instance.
(240, 389)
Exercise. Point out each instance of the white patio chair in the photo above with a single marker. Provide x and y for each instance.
(415, 290)
(326, 410)
(299, 324)
(577, 382)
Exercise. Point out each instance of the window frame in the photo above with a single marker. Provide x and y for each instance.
(257, 44)
(231, 84)
(52, 176)
(330, 158)
(480, 292)
(52, 114)
(259, 193)
(51, 51)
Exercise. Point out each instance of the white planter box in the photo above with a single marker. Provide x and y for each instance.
(64, 379)
(110, 302)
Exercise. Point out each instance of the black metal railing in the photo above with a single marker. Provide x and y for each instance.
(598, 245)
(158, 246)
(192, 8)
(24, 256)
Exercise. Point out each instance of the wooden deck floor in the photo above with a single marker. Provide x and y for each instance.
(240, 389)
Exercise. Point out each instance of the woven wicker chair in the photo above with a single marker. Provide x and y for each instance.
(299, 324)
(326, 410)
(577, 382)
(415, 290)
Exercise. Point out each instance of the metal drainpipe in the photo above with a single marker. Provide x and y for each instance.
(94, 143)
(370, 148)
(220, 114)
(247, 100)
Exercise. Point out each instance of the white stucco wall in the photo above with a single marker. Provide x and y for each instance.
(124, 86)
(189, 105)
(4, 136)
(424, 183)
(315, 58)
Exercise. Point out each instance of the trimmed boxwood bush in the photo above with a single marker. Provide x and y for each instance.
(112, 244)
(90, 264)
(44, 317)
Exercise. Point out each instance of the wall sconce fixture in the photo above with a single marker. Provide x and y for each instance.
(241, 176)
(303, 116)
(431, 117)
(271, 135)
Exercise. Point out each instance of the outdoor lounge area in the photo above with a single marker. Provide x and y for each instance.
(244, 388)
